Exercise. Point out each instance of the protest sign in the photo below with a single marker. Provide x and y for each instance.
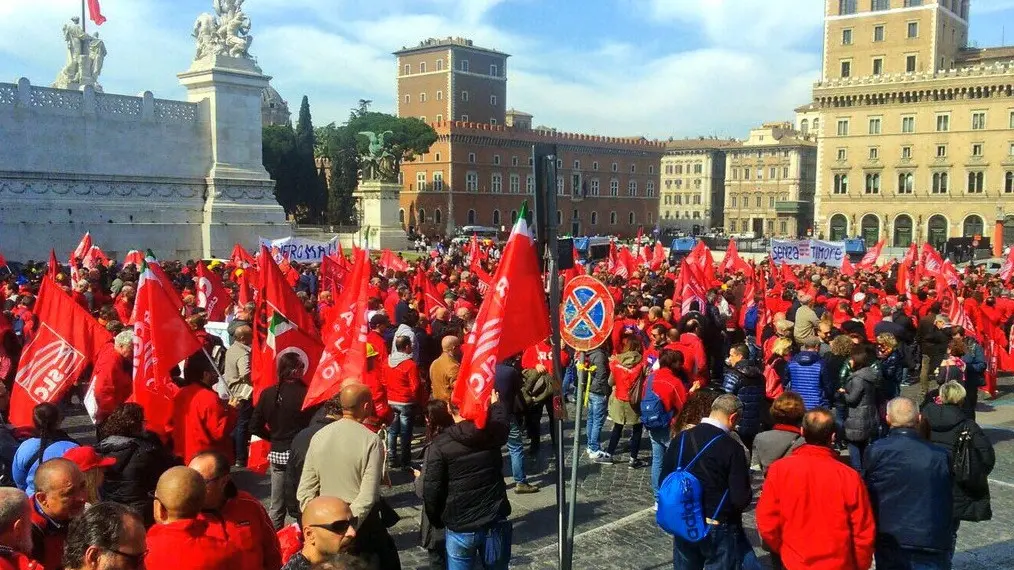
(301, 250)
(805, 252)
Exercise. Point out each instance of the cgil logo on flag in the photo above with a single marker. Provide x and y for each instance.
(50, 360)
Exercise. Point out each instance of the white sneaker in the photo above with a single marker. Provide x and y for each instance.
(591, 454)
(655, 507)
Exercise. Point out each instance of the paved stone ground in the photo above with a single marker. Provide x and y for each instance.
(615, 524)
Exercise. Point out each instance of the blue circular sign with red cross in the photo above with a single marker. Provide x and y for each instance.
(586, 313)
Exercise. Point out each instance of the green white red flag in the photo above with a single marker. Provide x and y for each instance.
(512, 317)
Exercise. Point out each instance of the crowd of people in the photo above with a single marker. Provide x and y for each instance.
(772, 376)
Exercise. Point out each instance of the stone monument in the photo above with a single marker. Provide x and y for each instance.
(378, 195)
(86, 53)
(228, 84)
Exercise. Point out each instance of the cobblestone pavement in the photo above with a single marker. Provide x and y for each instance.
(615, 524)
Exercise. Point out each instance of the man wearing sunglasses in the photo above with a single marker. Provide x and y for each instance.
(328, 529)
(109, 536)
(180, 537)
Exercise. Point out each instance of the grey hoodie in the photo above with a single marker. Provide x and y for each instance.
(397, 358)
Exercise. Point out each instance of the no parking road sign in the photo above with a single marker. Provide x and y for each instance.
(586, 317)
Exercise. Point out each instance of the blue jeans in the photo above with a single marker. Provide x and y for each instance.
(660, 438)
(724, 548)
(401, 425)
(241, 433)
(569, 378)
(491, 546)
(856, 450)
(912, 559)
(516, 450)
(596, 419)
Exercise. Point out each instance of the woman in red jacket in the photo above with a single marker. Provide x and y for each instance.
(401, 378)
(668, 382)
(626, 371)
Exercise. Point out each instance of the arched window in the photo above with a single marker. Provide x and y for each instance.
(903, 231)
(870, 228)
(559, 217)
(422, 216)
(816, 126)
(631, 218)
(436, 215)
(973, 226)
(839, 228)
(471, 217)
(496, 218)
(612, 218)
(514, 217)
(936, 231)
(594, 218)
(804, 126)
(401, 216)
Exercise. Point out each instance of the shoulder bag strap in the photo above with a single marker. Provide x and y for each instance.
(703, 449)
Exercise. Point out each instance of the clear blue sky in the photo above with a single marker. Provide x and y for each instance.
(620, 67)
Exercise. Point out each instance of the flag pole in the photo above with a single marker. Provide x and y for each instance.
(84, 26)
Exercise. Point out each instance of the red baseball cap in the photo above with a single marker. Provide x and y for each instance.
(86, 458)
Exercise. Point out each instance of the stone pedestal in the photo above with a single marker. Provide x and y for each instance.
(379, 227)
(240, 205)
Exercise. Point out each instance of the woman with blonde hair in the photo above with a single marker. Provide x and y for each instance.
(94, 468)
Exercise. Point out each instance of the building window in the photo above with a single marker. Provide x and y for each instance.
(873, 183)
(1011, 120)
(771, 226)
(423, 118)
(492, 100)
(843, 127)
(471, 182)
(842, 155)
(911, 3)
(746, 173)
(977, 149)
(515, 184)
(464, 65)
(594, 187)
(440, 95)
(471, 157)
(438, 182)
(875, 126)
(422, 67)
(496, 159)
(407, 70)
(440, 119)
(846, 7)
(943, 123)
(878, 32)
(464, 118)
(496, 217)
(978, 120)
(783, 226)
(771, 202)
(913, 29)
(757, 202)
(841, 183)
(422, 97)
(906, 183)
(560, 188)
(614, 188)
(440, 67)
(529, 184)
(846, 37)
(612, 218)
(631, 218)
(679, 199)
(874, 153)
(408, 98)
(846, 68)
(420, 181)
(906, 152)
(785, 172)
(436, 213)
(734, 202)
(494, 71)
(401, 216)
(908, 124)
(471, 217)
(941, 151)
(772, 174)
(910, 63)
(649, 189)
(633, 168)
(464, 96)
(1008, 183)
(616, 167)
(975, 180)
(878, 65)
(595, 165)
(422, 213)
(632, 188)
(594, 218)
(760, 174)
(651, 169)
(939, 182)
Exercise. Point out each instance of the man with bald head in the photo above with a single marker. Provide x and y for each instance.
(181, 537)
(328, 528)
(15, 529)
(910, 486)
(346, 460)
(444, 370)
(60, 495)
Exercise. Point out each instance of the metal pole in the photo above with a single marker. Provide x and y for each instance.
(84, 27)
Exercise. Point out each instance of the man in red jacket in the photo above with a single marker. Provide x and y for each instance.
(201, 420)
(401, 378)
(180, 537)
(236, 516)
(112, 379)
(814, 510)
(15, 530)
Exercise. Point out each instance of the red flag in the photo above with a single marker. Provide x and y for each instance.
(903, 284)
(431, 300)
(626, 259)
(870, 259)
(135, 258)
(333, 275)
(485, 280)
(82, 249)
(615, 264)
(95, 12)
(54, 265)
(68, 338)
(657, 256)
(212, 296)
(390, 261)
(163, 279)
(513, 317)
(1007, 269)
(911, 254)
(344, 353)
(162, 339)
(241, 258)
(690, 287)
(701, 259)
(96, 257)
(732, 262)
(930, 263)
(788, 276)
(847, 268)
(246, 281)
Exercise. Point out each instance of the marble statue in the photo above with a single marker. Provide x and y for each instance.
(86, 55)
(226, 33)
(379, 163)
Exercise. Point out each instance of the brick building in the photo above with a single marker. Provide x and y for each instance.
(479, 170)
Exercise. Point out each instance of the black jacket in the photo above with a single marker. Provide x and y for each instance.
(279, 414)
(599, 360)
(932, 340)
(140, 461)
(971, 502)
(747, 382)
(297, 457)
(909, 481)
(464, 489)
(722, 467)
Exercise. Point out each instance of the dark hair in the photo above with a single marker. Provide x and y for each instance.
(742, 350)
(333, 406)
(342, 561)
(438, 418)
(818, 426)
(410, 318)
(127, 420)
(698, 407)
(402, 343)
(46, 418)
(222, 465)
(102, 526)
(957, 347)
(196, 365)
(671, 359)
(290, 367)
(788, 409)
(860, 357)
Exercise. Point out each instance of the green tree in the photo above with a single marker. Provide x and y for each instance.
(312, 193)
(279, 153)
(410, 136)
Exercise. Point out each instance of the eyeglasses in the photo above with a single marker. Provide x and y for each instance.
(339, 526)
(133, 560)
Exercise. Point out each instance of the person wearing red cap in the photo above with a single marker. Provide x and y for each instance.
(93, 466)
(16, 531)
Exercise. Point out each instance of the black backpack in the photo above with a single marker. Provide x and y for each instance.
(967, 462)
